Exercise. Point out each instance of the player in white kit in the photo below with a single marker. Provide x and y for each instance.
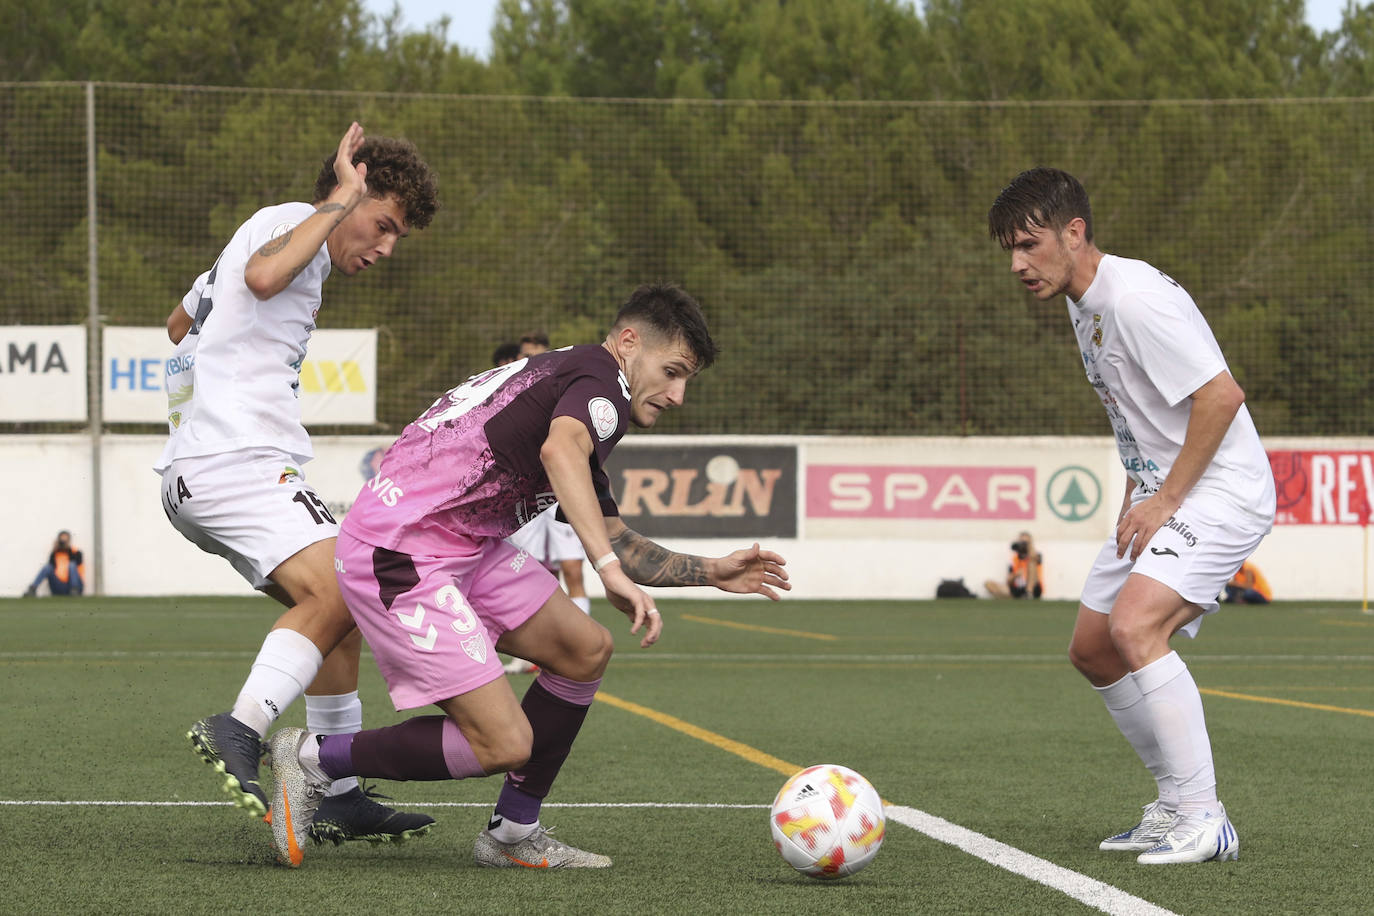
(231, 476)
(1199, 498)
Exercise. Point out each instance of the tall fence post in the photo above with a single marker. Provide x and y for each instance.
(93, 352)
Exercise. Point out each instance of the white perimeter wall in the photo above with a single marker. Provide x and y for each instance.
(49, 487)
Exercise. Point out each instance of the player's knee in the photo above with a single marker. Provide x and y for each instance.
(600, 651)
(1098, 663)
(1134, 637)
(507, 751)
(588, 659)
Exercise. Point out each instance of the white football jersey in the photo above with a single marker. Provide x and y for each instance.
(1146, 348)
(234, 380)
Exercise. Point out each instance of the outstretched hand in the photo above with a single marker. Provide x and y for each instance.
(751, 571)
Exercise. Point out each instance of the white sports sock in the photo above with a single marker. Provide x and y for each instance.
(339, 714)
(285, 666)
(508, 831)
(309, 758)
(584, 604)
(1174, 707)
(1127, 705)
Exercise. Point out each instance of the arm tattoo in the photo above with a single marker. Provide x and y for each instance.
(650, 564)
(276, 245)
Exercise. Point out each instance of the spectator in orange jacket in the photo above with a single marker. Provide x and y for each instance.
(1248, 586)
(65, 570)
(1025, 572)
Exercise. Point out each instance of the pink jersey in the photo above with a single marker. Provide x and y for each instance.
(469, 467)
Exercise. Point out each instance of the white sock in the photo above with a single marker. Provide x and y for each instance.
(309, 758)
(285, 666)
(340, 714)
(584, 604)
(1127, 705)
(1175, 708)
(508, 831)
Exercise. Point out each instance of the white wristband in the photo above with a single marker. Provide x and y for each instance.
(602, 562)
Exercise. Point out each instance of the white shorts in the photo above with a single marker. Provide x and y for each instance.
(1196, 557)
(548, 540)
(252, 507)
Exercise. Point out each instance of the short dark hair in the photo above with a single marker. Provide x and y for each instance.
(670, 311)
(1039, 198)
(393, 167)
(539, 338)
(506, 353)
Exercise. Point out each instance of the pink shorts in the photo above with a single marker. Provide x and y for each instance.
(433, 622)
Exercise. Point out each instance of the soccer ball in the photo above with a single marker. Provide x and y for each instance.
(827, 821)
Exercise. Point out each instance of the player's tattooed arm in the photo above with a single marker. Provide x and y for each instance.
(648, 563)
(266, 274)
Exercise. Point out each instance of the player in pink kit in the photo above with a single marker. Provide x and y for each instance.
(437, 592)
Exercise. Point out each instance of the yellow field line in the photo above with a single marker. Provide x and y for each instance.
(758, 629)
(751, 754)
(1298, 703)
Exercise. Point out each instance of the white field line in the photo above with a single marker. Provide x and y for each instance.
(650, 657)
(1086, 890)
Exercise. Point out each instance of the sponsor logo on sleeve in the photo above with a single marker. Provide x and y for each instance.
(604, 416)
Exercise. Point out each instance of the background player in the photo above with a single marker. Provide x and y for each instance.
(1199, 495)
(230, 470)
(437, 590)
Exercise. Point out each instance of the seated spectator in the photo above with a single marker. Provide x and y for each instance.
(1025, 572)
(1248, 586)
(64, 571)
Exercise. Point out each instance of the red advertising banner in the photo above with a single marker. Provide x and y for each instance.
(1323, 487)
(926, 491)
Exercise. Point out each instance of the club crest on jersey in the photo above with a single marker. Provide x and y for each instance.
(281, 229)
(1097, 330)
(476, 647)
(604, 417)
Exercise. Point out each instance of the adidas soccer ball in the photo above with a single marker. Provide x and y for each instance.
(827, 821)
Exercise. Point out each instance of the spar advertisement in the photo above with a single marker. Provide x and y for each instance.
(1323, 487)
(960, 488)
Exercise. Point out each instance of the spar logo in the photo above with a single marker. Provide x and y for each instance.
(920, 491)
(1073, 493)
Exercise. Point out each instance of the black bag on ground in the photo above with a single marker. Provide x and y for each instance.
(953, 588)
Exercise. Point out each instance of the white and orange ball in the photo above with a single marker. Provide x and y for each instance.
(827, 821)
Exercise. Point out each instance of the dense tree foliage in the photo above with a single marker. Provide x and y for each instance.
(816, 171)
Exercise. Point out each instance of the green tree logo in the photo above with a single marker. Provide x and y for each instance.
(1073, 493)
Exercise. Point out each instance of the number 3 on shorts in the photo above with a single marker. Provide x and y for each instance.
(315, 506)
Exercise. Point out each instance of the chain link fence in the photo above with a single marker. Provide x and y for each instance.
(840, 250)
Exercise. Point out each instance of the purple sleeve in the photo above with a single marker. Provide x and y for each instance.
(595, 395)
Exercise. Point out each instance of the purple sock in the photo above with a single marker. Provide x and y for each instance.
(556, 718)
(422, 748)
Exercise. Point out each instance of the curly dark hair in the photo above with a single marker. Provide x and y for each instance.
(393, 167)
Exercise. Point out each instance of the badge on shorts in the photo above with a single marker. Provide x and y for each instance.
(604, 417)
(476, 647)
